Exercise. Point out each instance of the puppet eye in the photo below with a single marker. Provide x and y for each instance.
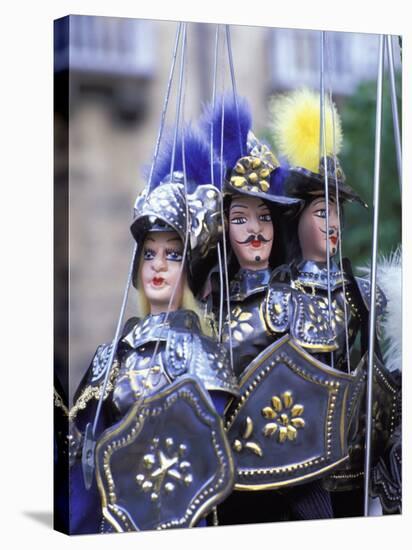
(149, 254)
(174, 255)
(238, 220)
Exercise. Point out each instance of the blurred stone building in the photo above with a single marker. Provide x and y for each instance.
(118, 76)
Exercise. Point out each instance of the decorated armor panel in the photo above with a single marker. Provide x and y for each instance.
(182, 349)
(387, 475)
(291, 420)
(151, 478)
(145, 382)
(263, 309)
(297, 302)
(249, 331)
(386, 418)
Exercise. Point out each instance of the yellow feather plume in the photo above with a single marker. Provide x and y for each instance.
(296, 128)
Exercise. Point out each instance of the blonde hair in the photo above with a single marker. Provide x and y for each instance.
(188, 302)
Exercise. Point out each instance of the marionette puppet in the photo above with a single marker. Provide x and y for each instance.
(290, 394)
(328, 307)
(162, 459)
(314, 235)
(253, 211)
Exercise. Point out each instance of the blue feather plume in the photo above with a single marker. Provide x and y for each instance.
(278, 178)
(196, 155)
(234, 145)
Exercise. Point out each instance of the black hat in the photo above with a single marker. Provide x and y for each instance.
(250, 167)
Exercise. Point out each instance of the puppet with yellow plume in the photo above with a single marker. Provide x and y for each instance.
(296, 132)
(313, 279)
(312, 311)
(296, 126)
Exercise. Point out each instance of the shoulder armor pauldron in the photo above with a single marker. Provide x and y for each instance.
(94, 379)
(100, 362)
(210, 362)
(146, 331)
(365, 291)
(276, 308)
(310, 324)
(178, 353)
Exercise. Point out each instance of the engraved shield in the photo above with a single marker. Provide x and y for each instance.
(290, 423)
(167, 463)
(386, 417)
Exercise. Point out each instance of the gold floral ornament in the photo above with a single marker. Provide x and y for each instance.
(239, 445)
(319, 321)
(252, 172)
(285, 417)
(239, 324)
(164, 467)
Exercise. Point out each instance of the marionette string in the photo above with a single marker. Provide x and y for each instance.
(232, 76)
(179, 101)
(372, 312)
(225, 256)
(179, 117)
(395, 116)
(135, 248)
(212, 176)
(323, 156)
(165, 104)
(330, 65)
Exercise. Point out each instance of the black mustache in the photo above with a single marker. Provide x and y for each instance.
(251, 238)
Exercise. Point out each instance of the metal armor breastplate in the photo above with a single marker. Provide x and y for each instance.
(182, 350)
(140, 375)
(250, 334)
(166, 463)
(289, 388)
(292, 419)
(301, 307)
(137, 378)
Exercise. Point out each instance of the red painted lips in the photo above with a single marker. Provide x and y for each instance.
(157, 281)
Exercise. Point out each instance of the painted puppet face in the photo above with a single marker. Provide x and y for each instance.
(160, 272)
(312, 230)
(250, 231)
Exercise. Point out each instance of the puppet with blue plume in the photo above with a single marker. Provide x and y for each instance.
(251, 168)
(180, 197)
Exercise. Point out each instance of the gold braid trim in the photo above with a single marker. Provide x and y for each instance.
(94, 392)
(58, 402)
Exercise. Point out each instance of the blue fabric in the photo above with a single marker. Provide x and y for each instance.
(85, 506)
(310, 501)
(304, 502)
(219, 399)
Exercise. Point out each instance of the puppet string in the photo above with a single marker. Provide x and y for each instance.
(345, 309)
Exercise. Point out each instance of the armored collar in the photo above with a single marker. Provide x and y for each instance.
(315, 274)
(154, 327)
(247, 282)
